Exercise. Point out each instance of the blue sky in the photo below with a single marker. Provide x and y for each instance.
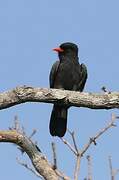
(28, 32)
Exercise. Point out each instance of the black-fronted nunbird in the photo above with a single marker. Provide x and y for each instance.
(66, 73)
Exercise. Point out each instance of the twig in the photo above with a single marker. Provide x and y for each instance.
(74, 140)
(23, 130)
(59, 173)
(110, 166)
(105, 90)
(89, 168)
(79, 153)
(69, 145)
(77, 167)
(16, 123)
(93, 139)
(62, 175)
(29, 168)
(54, 155)
(113, 172)
(33, 133)
(78, 157)
(76, 152)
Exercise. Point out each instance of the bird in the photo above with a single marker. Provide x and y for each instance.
(66, 74)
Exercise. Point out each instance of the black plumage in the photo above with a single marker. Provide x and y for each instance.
(66, 74)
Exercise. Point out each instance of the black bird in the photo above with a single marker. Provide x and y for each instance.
(66, 74)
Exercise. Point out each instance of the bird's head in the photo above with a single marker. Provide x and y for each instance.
(67, 49)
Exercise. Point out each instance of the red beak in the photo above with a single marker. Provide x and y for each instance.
(58, 49)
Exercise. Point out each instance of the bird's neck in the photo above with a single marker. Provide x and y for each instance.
(68, 58)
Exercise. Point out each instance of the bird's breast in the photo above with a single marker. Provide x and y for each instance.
(67, 75)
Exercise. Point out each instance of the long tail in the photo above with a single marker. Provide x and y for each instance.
(58, 121)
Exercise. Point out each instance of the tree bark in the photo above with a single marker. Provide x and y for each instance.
(29, 94)
(25, 94)
(40, 163)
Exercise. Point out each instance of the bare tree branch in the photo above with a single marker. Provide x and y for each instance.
(104, 89)
(42, 166)
(72, 98)
(111, 169)
(102, 131)
(54, 155)
(62, 175)
(113, 172)
(77, 167)
(29, 168)
(33, 133)
(80, 152)
(74, 140)
(89, 159)
(69, 145)
(63, 97)
(77, 153)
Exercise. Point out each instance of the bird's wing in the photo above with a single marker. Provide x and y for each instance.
(53, 73)
(83, 77)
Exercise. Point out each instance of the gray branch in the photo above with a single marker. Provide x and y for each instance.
(40, 163)
(29, 94)
(41, 166)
